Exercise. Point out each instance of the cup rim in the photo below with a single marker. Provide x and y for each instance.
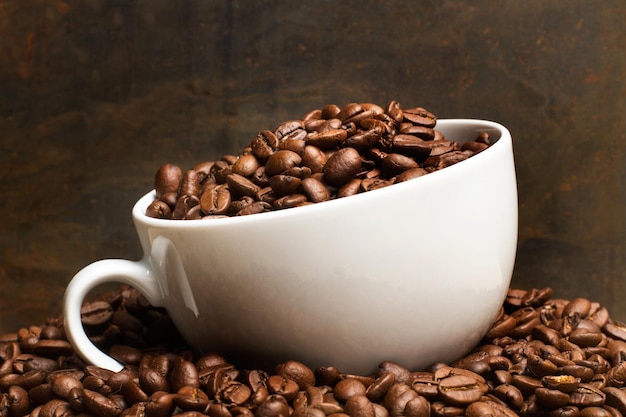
(139, 208)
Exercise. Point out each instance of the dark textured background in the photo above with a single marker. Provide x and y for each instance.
(96, 94)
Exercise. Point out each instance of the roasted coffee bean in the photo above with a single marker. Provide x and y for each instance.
(160, 404)
(295, 142)
(587, 396)
(359, 406)
(281, 161)
(283, 185)
(394, 164)
(420, 116)
(245, 165)
(349, 387)
(287, 128)
(18, 401)
(264, 144)
(159, 210)
(410, 174)
(364, 140)
(551, 398)
(100, 405)
(96, 313)
(273, 406)
(216, 199)
(461, 390)
(441, 409)
(327, 139)
(297, 372)
(510, 395)
(578, 306)
(342, 166)
(167, 180)
(315, 190)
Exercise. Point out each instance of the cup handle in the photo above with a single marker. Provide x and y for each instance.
(139, 275)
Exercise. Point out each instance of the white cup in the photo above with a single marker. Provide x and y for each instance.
(413, 273)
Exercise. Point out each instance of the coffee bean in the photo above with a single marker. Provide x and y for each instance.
(359, 406)
(280, 161)
(274, 406)
(96, 313)
(297, 372)
(191, 398)
(100, 405)
(167, 180)
(461, 390)
(160, 404)
(18, 401)
(378, 389)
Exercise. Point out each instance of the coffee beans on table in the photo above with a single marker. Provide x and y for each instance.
(543, 356)
(329, 153)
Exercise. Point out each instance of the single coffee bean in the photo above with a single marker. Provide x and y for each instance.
(297, 372)
(551, 398)
(283, 185)
(190, 183)
(342, 166)
(290, 201)
(315, 190)
(288, 127)
(241, 186)
(359, 406)
(167, 180)
(191, 398)
(100, 405)
(274, 406)
(579, 306)
(96, 313)
(461, 390)
(280, 161)
(587, 396)
(160, 404)
(594, 412)
(616, 397)
(327, 139)
(264, 144)
(365, 140)
(159, 210)
(286, 387)
(420, 116)
(246, 165)
(18, 401)
(294, 142)
(510, 394)
(378, 389)
(184, 373)
(441, 409)
(348, 388)
(417, 407)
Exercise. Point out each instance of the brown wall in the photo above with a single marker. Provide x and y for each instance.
(96, 94)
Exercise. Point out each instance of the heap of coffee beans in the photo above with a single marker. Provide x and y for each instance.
(542, 357)
(330, 153)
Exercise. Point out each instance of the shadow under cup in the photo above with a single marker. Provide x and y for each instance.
(413, 273)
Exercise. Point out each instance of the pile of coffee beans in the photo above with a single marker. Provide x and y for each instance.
(542, 357)
(330, 153)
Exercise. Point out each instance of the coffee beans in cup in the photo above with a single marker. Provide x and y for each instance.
(329, 153)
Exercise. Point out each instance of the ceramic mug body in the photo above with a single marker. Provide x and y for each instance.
(413, 273)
